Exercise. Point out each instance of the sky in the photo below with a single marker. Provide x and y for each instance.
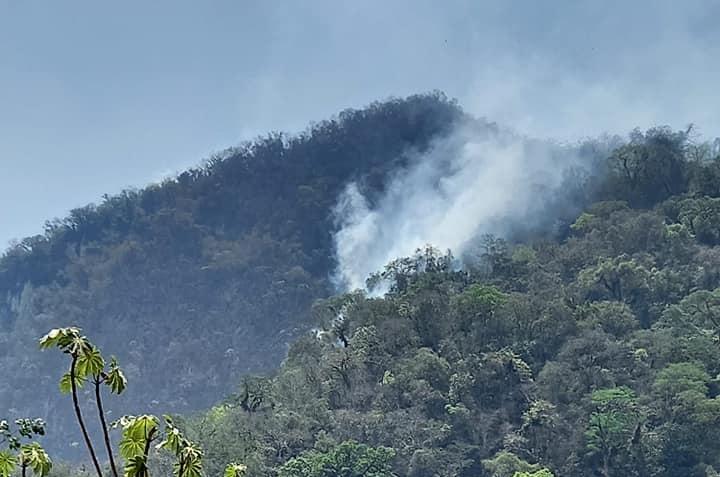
(99, 96)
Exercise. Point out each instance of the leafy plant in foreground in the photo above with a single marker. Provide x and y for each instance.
(87, 363)
(29, 455)
(139, 433)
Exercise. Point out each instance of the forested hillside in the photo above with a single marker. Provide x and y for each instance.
(585, 342)
(203, 278)
(596, 354)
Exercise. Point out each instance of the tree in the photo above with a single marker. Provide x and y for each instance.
(33, 456)
(87, 363)
(612, 427)
(84, 360)
(507, 464)
(614, 318)
(651, 167)
(678, 381)
(476, 307)
(235, 470)
(348, 459)
(688, 417)
(620, 279)
(699, 312)
(539, 473)
(138, 432)
(702, 217)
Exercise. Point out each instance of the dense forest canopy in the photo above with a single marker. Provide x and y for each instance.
(585, 345)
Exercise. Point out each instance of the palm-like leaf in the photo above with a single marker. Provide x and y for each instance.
(7, 463)
(235, 470)
(59, 337)
(136, 433)
(191, 468)
(136, 466)
(90, 362)
(131, 446)
(115, 378)
(66, 383)
(35, 457)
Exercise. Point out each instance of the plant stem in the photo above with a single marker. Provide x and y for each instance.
(146, 453)
(103, 422)
(78, 414)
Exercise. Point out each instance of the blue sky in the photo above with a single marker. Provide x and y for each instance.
(97, 96)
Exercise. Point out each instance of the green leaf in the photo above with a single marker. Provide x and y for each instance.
(135, 466)
(235, 470)
(7, 463)
(51, 339)
(131, 446)
(90, 362)
(62, 338)
(136, 433)
(191, 459)
(539, 473)
(190, 469)
(35, 457)
(66, 384)
(189, 456)
(173, 440)
(115, 378)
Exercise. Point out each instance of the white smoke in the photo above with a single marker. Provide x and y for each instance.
(466, 185)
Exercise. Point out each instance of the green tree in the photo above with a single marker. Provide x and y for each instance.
(348, 459)
(702, 217)
(235, 470)
(612, 427)
(651, 167)
(507, 464)
(138, 432)
(85, 360)
(87, 363)
(699, 312)
(538, 473)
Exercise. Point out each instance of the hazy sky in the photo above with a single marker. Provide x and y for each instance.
(96, 96)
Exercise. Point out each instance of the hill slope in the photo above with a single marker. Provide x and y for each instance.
(584, 342)
(205, 277)
(595, 354)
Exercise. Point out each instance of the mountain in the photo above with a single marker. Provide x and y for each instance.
(595, 352)
(208, 276)
(573, 328)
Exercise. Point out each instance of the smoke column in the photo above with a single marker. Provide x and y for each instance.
(471, 183)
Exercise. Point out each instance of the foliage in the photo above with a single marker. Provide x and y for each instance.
(348, 459)
(507, 464)
(23, 455)
(539, 473)
(235, 470)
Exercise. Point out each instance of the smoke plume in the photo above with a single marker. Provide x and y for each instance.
(472, 183)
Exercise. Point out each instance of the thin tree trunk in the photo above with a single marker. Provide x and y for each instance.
(146, 452)
(606, 466)
(78, 414)
(106, 433)
(24, 469)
